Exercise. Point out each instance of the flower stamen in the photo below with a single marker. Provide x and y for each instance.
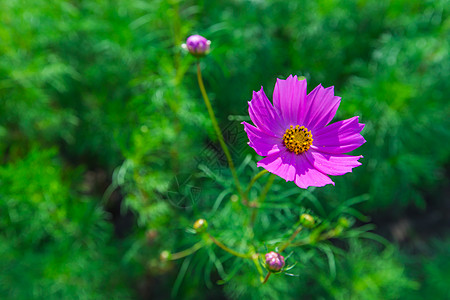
(297, 139)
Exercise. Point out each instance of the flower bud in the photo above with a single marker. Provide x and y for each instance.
(165, 255)
(200, 225)
(344, 222)
(234, 198)
(307, 220)
(197, 45)
(274, 262)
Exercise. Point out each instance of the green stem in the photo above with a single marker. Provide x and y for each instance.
(219, 133)
(258, 266)
(267, 277)
(188, 251)
(322, 237)
(266, 189)
(262, 197)
(231, 251)
(256, 177)
(285, 245)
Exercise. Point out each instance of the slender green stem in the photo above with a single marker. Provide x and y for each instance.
(256, 177)
(266, 189)
(322, 237)
(262, 197)
(231, 251)
(258, 266)
(188, 251)
(219, 133)
(303, 242)
(267, 277)
(174, 102)
(296, 232)
(253, 216)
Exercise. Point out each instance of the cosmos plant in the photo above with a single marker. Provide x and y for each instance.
(297, 142)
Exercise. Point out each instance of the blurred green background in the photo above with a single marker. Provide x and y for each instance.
(101, 116)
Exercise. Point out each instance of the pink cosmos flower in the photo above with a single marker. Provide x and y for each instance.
(294, 137)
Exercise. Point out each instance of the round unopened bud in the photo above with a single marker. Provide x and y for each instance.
(200, 225)
(165, 255)
(234, 198)
(197, 45)
(307, 220)
(274, 262)
(344, 222)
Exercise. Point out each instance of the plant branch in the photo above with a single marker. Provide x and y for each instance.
(219, 133)
(231, 251)
(262, 197)
(296, 232)
(266, 189)
(256, 177)
(267, 277)
(322, 237)
(188, 251)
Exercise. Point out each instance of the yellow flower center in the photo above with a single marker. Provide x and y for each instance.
(297, 139)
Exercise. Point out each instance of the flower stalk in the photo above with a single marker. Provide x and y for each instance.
(258, 266)
(266, 188)
(291, 238)
(267, 277)
(219, 133)
(325, 236)
(254, 179)
(261, 197)
(187, 251)
(225, 248)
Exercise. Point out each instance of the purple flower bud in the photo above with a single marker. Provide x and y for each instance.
(197, 45)
(274, 261)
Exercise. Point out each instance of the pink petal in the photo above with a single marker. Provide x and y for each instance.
(263, 143)
(333, 164)
(306, 175)
(340, 137)
(280, 163)
(264, 115)
(321, 107)
(292, 167)
(289, 98)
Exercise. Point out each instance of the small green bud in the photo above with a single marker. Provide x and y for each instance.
(234, 198)
(165, 255)
(200, 225)
(344, 222)
(307, 220)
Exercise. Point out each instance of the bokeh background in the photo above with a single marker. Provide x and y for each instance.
(102, 123)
